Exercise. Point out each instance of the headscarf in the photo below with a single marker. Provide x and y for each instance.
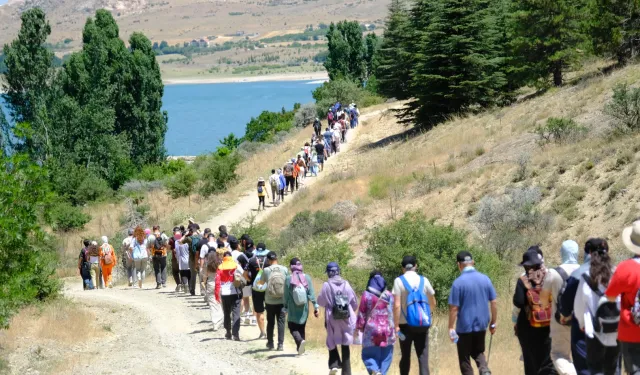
(333, 269)
(297, 274)
(569, 252)
(376, 285)
(105, 244)
(147, 232)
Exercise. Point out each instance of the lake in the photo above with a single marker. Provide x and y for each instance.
(200, 115)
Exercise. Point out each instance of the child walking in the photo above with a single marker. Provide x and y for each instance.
(262, 193)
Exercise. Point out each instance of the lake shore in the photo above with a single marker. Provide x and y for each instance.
(316, 76)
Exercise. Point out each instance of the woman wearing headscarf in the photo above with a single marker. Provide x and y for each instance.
(601, 331)
(298, 292)
(107, 261)
(140, 255)
(533, 317)
(375, 321)
(340, 303)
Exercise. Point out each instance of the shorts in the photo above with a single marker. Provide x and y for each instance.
(246, 291)
(258, 302)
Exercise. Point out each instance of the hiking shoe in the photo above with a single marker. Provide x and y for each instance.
(270, 345)
(301, 348)
(158, 286)
(236, 338)
(178, 288)
(262, 336)
(164, 285)
(280, 348)
(333, 371)
(227, 335)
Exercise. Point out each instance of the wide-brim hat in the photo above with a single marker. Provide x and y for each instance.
(260, 179)
(631, 237)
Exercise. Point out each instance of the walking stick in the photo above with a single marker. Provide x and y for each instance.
(489, 354)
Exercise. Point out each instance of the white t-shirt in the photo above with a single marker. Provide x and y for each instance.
(553, 283)
(399, 290)
(235, 254)
(204, 250)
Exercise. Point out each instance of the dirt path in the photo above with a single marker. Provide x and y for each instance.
(247, 205)
(163, 332)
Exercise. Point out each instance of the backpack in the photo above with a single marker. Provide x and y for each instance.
(260, 189)
(418, 312)
(565, 277)
(340, 307)
(537, 315)
(607, 315)
(288, 170)
(256, 285)
(108, 254)
(635, 309)
(378, 321)
(195, 240)
(275, 286)
(299, 292)
(238, 279)
(273, 182)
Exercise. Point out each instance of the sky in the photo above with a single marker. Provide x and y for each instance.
(3, 2)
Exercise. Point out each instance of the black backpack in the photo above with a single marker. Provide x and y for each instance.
(565, 277)
(340, 308)
(607, 315)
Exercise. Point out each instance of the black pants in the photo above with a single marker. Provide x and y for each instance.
(290, 182)
(185, 275)
(175, 270)
(419, 337)
(298, 331)
(602, 360)
(194, 274)
(231, 310)
(281, 194)
(261, 201)
(536, 350)
(160, 269)
(471, 345)
(631, 357)
(336, 362)
(275, 313)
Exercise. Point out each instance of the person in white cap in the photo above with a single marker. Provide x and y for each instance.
(553, 288)
(262, 192)
(625, 282)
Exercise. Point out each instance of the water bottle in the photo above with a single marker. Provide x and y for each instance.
(401, 336)
(454, 336)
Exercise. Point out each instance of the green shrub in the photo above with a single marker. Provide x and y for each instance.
(379, 186)
(305, 115)
(217, 173)
(182, 184)
(560, 130)
(435, 248)
(91, 189)
(624, 108)
(565, 204)
(345, 92)
(151, 173)
(259, 232)
(65, 217)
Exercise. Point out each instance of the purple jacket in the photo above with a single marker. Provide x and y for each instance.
(339, 332)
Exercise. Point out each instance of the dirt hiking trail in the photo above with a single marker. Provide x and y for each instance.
(248, 203)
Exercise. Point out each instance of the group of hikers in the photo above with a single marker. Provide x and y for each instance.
(571, 319)
(311, 157)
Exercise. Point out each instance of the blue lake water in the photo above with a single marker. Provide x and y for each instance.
(200, 115)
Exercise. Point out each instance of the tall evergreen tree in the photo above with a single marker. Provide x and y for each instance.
(546, 37)
(614, 28)
(393, 71)
(27, 82)
(456, 64)
(346, 51)
(372, 45)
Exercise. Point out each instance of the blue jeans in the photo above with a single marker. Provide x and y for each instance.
(377, 358)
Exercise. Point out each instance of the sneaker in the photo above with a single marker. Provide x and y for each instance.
(236, 338)
(227, 335)
(270, 346)
(164, 285)
(247, 321)
(280, 348)
(158, 286)
(333, 371)
(178, 288)
(254, 321)
(301, 348)
(262, 336)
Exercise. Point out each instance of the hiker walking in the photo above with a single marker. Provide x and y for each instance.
(532, 321)
(107, 261)
(201, 241)
(336, 137)
(182, 254)
(274, 275)
(340, 303)
(262, 192)
(327, 137)
(578, 340)
(303, 167)
(282, 185)
(598, 316)
(231, 296)
(242, 260)
(205, 249)
(84, 267)
(625, 282)
(274, 182)
(553, 288)
(288, 171)
(412, 314)
(175, 266)
(192, 239)
(212, 280)
(94, 254)
(140, 256)
(253, 269)
(297, 296)
(159, 258)
(375, 322)
(471, 294)
(317, 126)
(321, 153)
(127, 258)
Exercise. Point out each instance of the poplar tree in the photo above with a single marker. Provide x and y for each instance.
(346, 52)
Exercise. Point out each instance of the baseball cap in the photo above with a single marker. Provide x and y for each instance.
(464, 256)
(233, 240)
(261, 246)
(272, 255)
(207, 231)
(249, 243)
(409, 262)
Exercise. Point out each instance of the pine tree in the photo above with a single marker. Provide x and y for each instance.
(546, 37)
(372, 44)
(456, 62)
(393, 70)
(346, 52)
(614, 28)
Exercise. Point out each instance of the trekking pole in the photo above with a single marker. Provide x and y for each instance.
(489, 354)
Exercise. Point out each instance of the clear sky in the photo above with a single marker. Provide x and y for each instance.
(3, 2)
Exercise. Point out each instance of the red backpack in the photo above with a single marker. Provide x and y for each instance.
(538, 316)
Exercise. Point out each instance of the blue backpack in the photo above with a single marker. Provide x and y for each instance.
(418, 312)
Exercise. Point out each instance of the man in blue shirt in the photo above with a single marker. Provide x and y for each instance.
(469, 300)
